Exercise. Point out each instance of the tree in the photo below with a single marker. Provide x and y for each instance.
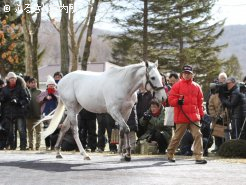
(131, 45)
(86, 53)
(76, 32)
(179, 32)
(11, 41)
(64, 39)
(31, 23)
(232, 67)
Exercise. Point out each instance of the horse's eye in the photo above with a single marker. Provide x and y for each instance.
(152, 78)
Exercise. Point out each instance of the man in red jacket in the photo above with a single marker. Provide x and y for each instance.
(187, 98)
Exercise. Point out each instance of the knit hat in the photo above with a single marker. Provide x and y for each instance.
(50, 80)
(11, 75)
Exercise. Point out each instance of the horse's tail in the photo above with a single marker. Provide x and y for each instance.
(55, 120)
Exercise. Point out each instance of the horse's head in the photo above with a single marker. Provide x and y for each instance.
(154, 81)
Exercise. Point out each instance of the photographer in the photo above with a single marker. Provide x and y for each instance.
(236, 104)
(156, 131)
(14, 98)
(218, 113)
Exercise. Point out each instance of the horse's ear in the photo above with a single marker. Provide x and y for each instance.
(146, 64)
(156, 63)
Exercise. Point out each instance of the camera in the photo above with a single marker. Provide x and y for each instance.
(147, 116)
(216, 85)
(220, 88)
(242, 87)
(14, 100)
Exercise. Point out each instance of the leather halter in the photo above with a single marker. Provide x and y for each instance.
(155, 88)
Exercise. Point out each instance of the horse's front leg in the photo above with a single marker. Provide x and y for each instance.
(64, 128)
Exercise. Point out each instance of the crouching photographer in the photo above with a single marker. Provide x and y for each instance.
(156, 131)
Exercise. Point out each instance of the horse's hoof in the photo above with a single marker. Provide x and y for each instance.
(127, 158)
(59, 156)
(87, 158)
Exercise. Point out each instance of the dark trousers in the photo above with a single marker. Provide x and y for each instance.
(218, 142)
(141, 129)
(3, 134)
(161, 141)
(87, 133)
(236, 125)
(105, 123)
(19, 125)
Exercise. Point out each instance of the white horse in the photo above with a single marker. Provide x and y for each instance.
(112, 91)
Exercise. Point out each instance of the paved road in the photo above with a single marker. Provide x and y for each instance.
(41, 168)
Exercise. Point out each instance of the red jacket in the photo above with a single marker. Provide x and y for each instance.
(193, 100)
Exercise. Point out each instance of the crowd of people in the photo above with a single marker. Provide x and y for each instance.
(22, 104)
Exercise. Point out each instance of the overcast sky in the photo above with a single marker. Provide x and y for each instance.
(233, 10)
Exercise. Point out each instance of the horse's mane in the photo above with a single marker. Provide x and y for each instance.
(123, 70)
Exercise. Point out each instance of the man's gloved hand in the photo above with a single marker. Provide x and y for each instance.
(147, 116)
(181, 101)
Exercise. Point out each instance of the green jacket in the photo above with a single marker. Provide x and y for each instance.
(34, 106)
(157, 123)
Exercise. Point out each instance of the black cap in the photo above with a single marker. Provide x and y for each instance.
(187, 68)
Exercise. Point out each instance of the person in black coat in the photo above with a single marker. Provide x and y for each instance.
(105, 123)
(143, 104)
(87, 129)
(237, 106)
(133, 125)
(14, 99)
(3, 133)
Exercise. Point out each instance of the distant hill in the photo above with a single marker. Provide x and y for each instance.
(49, 40)
(234, 35)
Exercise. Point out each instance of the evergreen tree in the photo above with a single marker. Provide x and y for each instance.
(232, 67)
(179, 32)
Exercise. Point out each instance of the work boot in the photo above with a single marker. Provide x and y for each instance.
(170, 158)
(201, 161)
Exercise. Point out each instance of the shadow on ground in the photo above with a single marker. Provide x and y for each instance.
(53, 166)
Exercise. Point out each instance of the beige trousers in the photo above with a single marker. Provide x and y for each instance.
(30, 123)
(179, 133)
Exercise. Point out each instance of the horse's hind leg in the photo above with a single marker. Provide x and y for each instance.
(74, 127)
(64, 129)
(124, 134)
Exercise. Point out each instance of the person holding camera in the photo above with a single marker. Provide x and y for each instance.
(217, 111)
(156, 131)
(14, 98)
(187, 99)
(236, 104)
